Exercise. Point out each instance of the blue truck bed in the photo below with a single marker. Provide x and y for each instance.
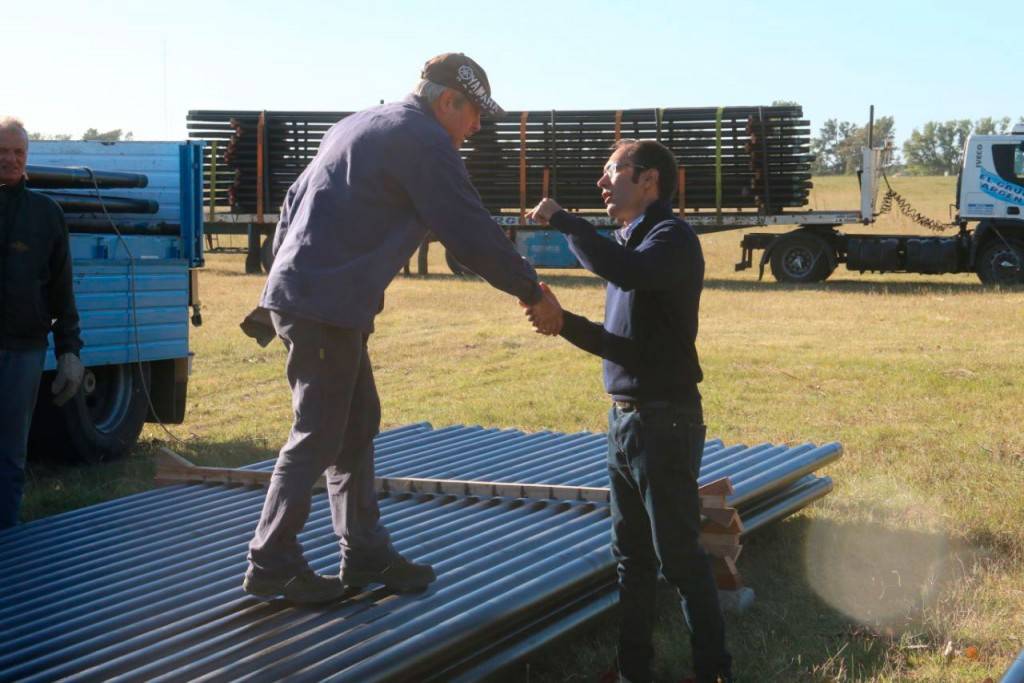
(133, 291)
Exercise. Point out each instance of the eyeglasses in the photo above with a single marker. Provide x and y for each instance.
(614, 166)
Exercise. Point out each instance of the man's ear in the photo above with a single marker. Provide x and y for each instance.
(446, 100)
(654, 174)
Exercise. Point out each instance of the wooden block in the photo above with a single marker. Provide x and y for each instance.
(718, 487)
(713, 501)
(727, 577)
(723, 524)
(730, 552)
(720, 539)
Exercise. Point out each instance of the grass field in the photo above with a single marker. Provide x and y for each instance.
(921, 544)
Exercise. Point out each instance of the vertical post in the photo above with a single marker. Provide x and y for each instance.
(618, 125)
(766, 178)
(546, 182)
(553, 154)
(213, 178)
(421, 261)
(682, 190)
(871, 127)
(252, 253)
(522, 167)
(260, 131)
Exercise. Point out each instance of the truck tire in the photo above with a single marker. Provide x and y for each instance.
(801, 257)
(1001, 262)
(267, 253)
(103, 420)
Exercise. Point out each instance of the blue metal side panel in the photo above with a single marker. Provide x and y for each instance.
(121, 326)
(136, 247)
(191, 168)
(159, 161)
(547, 248)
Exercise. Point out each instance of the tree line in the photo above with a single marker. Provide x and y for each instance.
(936, 149)
(90, 134)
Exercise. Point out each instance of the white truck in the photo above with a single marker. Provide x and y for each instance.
(990, 226)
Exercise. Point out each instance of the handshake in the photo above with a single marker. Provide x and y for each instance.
(545, 315)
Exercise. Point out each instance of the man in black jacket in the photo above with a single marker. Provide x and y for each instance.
(35, 297)
(655, 272)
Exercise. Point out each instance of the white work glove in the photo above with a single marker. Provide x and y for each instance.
(70, 372)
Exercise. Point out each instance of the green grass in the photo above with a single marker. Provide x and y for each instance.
(920, 544)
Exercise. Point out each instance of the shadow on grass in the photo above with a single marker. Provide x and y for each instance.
(896, 288)
(833, 602)
(555, 279)
(902, 288)
(221, 271)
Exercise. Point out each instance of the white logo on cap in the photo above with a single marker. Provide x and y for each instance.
(475, 88)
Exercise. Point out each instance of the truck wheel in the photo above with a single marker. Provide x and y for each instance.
(267, 253)
(105, 417)
(1001, 263)
(801, 258)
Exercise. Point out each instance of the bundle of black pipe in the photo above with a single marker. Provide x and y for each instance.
(725, 153)
(58, 177)
(82, 203)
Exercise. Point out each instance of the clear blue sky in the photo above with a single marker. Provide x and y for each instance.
(141, 66)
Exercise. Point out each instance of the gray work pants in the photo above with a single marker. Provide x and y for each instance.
(336, 415)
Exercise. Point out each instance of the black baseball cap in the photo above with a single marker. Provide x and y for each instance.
(456, 70)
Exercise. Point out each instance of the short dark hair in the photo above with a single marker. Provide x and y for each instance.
(648, 154)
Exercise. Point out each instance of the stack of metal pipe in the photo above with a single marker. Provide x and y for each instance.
(147, 587)
(229, 158)
(86, 209)
(780, 152)
(754, 158)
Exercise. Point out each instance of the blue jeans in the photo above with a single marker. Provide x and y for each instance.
(20, 372)
(337, 414)
(654, 455)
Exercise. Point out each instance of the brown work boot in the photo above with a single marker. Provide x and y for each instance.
(307, 588)
(397, 574)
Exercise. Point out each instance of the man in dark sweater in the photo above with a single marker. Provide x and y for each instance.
(381, 179)
(36, 297)
(655, 272)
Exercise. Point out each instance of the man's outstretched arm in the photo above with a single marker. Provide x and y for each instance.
(581, 332)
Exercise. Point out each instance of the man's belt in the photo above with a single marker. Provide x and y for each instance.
(632, 406)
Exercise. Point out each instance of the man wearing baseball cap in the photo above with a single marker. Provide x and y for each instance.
(382, 178)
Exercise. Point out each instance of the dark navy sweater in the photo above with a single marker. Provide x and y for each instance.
(648, 339)
(381, 179)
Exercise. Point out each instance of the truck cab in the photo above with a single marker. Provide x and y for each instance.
(990, 191)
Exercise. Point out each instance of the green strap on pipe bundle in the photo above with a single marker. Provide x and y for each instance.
(718, 160)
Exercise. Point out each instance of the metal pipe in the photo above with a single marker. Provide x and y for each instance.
(1015, 674)
(77, 176)
(72, 203)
